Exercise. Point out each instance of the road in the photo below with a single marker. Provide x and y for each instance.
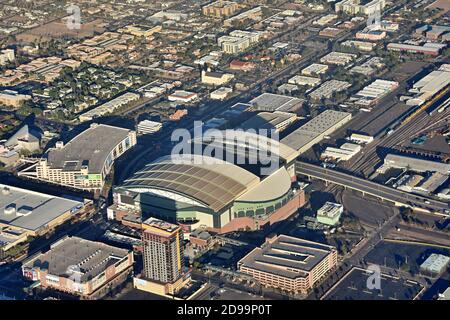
(372, 188)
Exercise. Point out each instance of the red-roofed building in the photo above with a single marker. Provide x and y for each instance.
(241, 65)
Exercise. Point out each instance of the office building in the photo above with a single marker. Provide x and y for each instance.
(316, 130)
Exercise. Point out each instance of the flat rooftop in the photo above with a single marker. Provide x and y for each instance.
(90, 257)
(90, 148)
(161, 225)
(287, 257)
(314, 128)
(31, 210)
(273, 102)
(266, 120)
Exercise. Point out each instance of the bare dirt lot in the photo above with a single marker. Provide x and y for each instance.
(58, 29)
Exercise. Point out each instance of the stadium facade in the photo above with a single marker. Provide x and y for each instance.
(202, 191)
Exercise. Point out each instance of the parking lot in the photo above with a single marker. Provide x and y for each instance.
(404, 256)
(354, 287)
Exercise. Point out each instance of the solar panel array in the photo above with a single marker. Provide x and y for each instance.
(212, 188)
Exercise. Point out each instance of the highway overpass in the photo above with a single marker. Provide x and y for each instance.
(398, 197)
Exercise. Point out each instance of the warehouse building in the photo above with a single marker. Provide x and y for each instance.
(304, 81)
(289, 263)
(85, 161)
(433, 49)
(429, 85)
(343, 153)
(80, 267)
(371, 94)
(277, 121)
(315, 69)
(276, 102)
(316, 129)
(25, 213)
(338, 58)
(414, 164)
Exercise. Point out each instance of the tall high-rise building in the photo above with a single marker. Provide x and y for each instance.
(163, 251)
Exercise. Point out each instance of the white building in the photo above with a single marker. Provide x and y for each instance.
(148, 127)
(6, 55)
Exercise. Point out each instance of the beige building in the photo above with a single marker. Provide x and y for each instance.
(238, 41)
(12, 98)
(220, 8)
(289, 263)
(80, 267)
(216, 78)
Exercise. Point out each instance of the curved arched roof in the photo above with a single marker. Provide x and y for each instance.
(249, 140)
(213, 182)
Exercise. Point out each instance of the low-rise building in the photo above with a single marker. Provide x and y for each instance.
(237, 41)
(343, 153)
(338, 58)
(242, 65)
(359, 6)
(110, 106)
(328, 88)
(330, 213)
(80, 267)
(182, 96)
(315, 69)
(148, 127)
(221, 93)
(86, 160)
(276, 263)
(12, 98)
(360, 45)
(435, 263)
(361, 138)
(216, 78)
(304, 81)
(25, 213)
(433, 49)
(277, 121)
